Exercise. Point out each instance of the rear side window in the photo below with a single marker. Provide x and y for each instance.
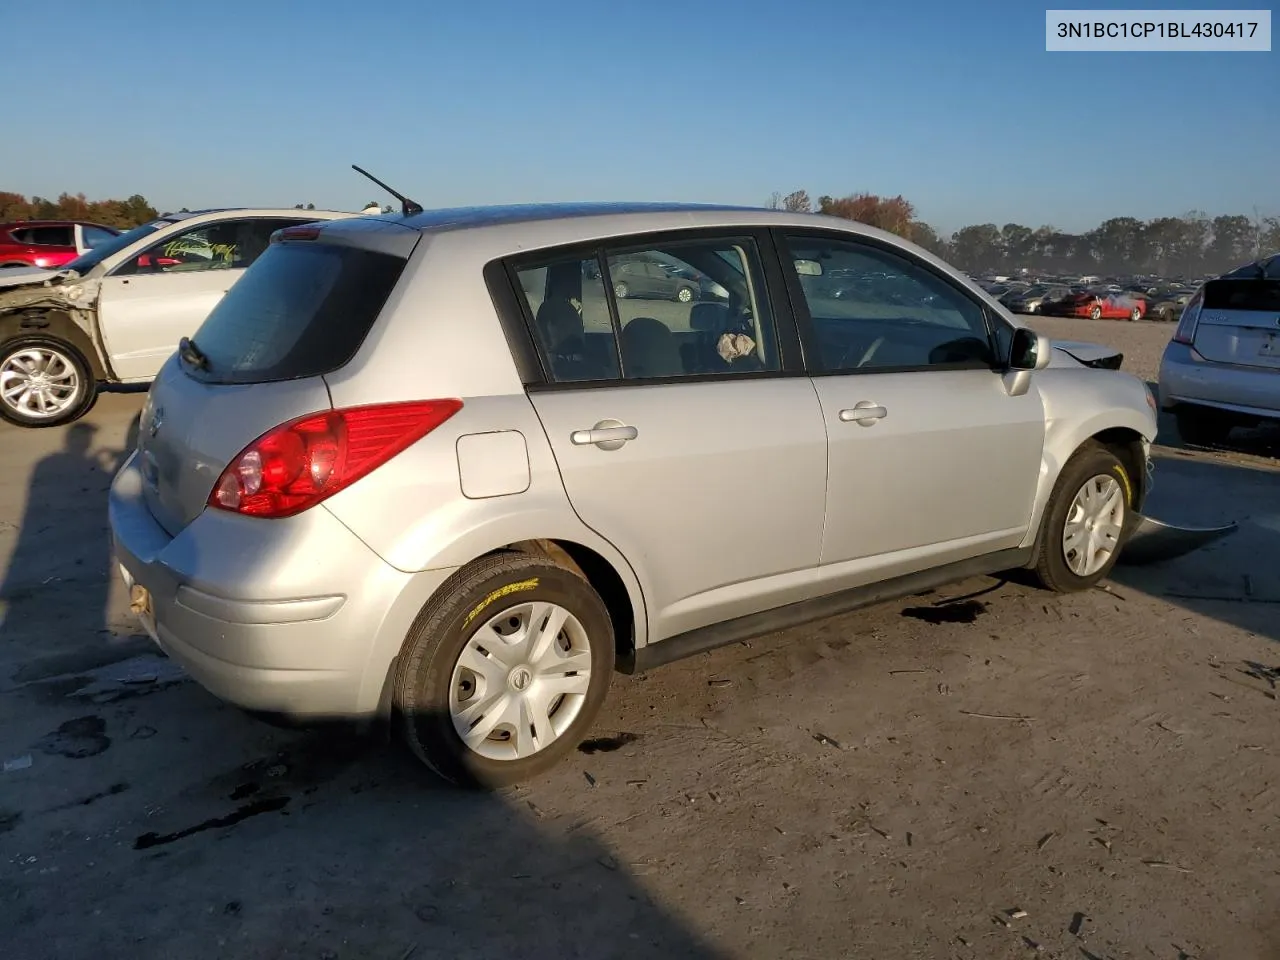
(301, 310)
(46, 236)
(1256, 295)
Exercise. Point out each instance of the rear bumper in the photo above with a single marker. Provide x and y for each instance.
(1188, 379)
(296, 617)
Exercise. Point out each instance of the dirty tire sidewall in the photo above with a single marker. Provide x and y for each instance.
(425, 668)
(1091, 460)
(86, 398)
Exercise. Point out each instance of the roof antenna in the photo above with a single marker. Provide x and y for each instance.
(407, 207)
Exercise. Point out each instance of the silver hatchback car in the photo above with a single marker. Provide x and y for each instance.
(1221, 369)
(431, 467)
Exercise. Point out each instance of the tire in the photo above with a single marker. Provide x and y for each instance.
(1135, 314)
(67, 379)
(684, 295)
(1164, 314)
(620, 290)
(433, 681)
(1201, 427)
(1096, 467)
(1095, 313)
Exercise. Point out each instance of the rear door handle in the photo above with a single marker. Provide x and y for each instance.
(864, 413)
(607, 435)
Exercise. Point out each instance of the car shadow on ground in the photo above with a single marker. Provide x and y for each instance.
(61, 562)
(328, 845)
(156, 822)
(1235, 580)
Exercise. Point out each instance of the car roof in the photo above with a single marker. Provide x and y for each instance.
(491, 232)
(54, 223)
(252, 212)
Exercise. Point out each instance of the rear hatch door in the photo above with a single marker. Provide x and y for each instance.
(301, 311)
(1239, 322)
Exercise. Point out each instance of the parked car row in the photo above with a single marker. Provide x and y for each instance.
(1090, 297)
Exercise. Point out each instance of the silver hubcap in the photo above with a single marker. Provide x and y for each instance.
(39, 383)
(520, 681)
(1092, 531)
(685, 295)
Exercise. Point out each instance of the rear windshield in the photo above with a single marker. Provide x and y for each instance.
(301, 310)
(1229, 294)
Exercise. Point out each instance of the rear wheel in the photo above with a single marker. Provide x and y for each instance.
(504, 670)
(620, 290)
(1201, 427)
(1095, 313)
(1085, 521)
(1135, 313)
(44, 382)
(685, 294)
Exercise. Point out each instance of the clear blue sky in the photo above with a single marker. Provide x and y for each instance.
(955, 105)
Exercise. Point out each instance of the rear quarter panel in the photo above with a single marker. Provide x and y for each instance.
(1080, 403)
(413, 513)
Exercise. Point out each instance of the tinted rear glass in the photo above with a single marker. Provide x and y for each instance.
(1259, 295)
(301, 310)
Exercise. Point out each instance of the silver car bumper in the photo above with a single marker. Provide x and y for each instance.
(295, 617)
(1185, 378)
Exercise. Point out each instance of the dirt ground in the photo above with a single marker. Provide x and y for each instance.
(988, 771)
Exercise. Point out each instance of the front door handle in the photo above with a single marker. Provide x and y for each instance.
(607, 435)
(864, 413)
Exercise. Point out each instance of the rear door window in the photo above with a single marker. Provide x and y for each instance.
(689, 308)
(46, 236)
(302, 311)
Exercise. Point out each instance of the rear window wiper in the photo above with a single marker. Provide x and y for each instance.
(188, 351)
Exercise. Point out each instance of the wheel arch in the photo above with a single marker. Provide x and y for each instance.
(607, 572)
(597, 571)
(1123, 431)
(56, 325)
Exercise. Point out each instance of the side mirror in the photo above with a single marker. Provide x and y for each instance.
(1030, 350)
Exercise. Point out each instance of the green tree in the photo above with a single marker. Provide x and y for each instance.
(977, 247)
(1232, 243)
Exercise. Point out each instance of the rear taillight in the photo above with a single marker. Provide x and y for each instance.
(300, 463)
(1186, 332)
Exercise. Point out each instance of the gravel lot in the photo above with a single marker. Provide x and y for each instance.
(905, 781)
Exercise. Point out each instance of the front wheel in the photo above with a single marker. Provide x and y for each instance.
(1135, 314)
(504, 670)
(44, 382)
(1095, 313)
(620, 290)
(685, 295)
(1085, 521)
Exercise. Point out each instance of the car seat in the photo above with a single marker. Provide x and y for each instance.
(649, 350)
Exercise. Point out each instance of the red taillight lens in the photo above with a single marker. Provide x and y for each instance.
(1186, 332)
(300, 463)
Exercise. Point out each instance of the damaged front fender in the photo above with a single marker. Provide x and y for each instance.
(64, 310)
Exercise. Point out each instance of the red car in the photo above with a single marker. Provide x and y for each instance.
(49, 243)
(1099, 306)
